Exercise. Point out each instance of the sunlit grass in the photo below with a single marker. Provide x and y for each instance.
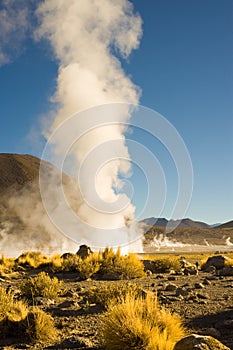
(141, 324)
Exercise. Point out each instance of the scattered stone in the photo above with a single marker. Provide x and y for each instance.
(181, 291)
(75, 342)
(172, 278)
(190, 270)
(206, 282)
(170, 287)
(43, 301)
(148, 273)
(199, 342)
(198, 285)
(202, 296)
(66, 304)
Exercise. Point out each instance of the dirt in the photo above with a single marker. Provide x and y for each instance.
(206, 309)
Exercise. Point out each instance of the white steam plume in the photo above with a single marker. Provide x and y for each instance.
(86, 37)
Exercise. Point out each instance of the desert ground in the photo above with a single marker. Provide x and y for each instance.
(204, 300)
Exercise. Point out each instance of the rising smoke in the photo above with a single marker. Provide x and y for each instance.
(87, 37)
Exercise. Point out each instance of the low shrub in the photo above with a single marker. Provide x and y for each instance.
(6, 265)
(164, 264)
(89, 266)
(31, 259)
(6, 302)
(113, 293)
(16, 319)
(229, 262)
(140, 324)
(40, 326)
(121, 267)
(41, 286)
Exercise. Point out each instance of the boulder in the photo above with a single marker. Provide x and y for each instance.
(226, 271)
(218, 261)
(84, 251)
(199, 342)
(66, 255)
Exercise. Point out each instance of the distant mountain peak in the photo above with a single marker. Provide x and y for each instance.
(186, 222)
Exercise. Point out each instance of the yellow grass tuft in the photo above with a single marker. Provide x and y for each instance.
(112, 293)
(42, 286)
(140, 324)
(40, 326)
(32, 259)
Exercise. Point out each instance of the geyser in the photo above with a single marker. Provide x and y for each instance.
(87, 37)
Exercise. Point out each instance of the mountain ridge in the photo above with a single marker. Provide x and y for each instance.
(185, 223)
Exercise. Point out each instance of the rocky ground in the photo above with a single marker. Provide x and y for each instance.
(204, 301)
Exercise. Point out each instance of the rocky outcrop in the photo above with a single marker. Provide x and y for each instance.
(199, 342)
(84, 251)
(217, 261)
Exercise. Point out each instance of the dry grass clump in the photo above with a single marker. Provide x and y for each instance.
(40, 326)
(228, 263)
(112, 293)
(103, 263)
(89, 266)
(123, 267)
(32, 259)
(108, 262)
(166, 263)
(71, 263)
(16, 319)
(140, 324)
(6, 265)
(41, 286)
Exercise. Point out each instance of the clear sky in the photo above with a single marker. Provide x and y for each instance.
(184, 68)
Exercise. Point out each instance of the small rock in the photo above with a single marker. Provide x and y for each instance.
(202, 296)
(206, 282)
(43, 301)
(170, 287)
(66, 304)
(172, 278)
(181, 291)
(198, 285)
(148, 273)
(190, 270)
(199, 342)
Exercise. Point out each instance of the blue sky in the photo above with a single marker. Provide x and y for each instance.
(184, 68)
